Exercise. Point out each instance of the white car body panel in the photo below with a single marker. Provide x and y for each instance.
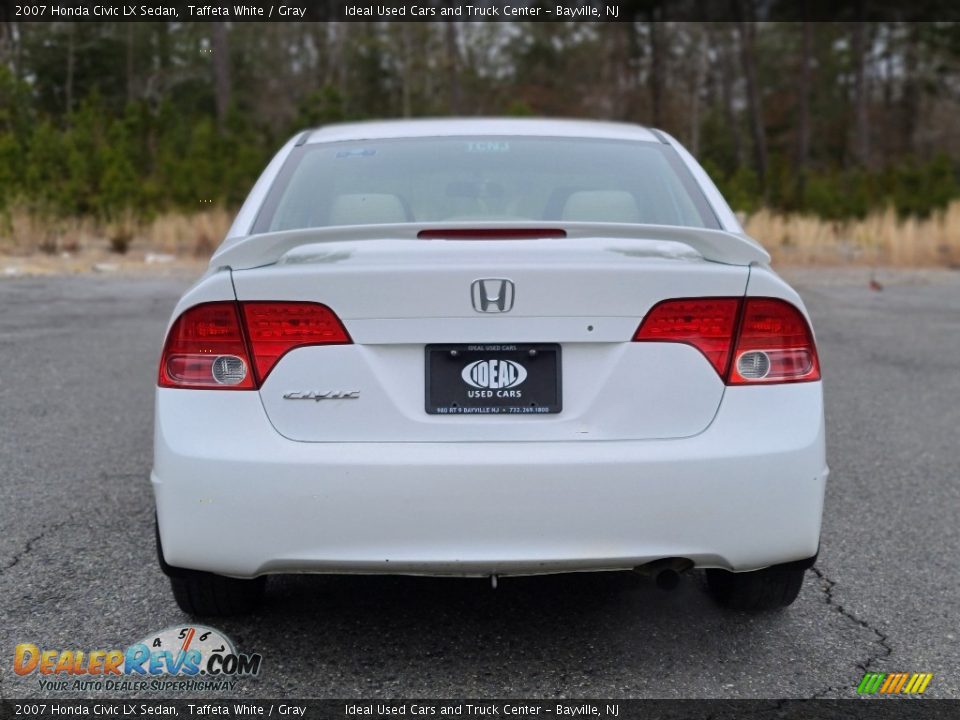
(453, 127)
(597, 378)
(235, 497)
(652, 456)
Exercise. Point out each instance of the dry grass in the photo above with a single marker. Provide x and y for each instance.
(195, 235)
(198, 234)
(880, 239)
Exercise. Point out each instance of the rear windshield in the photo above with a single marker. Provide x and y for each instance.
(462, 179)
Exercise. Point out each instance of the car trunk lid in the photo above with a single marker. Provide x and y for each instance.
(585, 296)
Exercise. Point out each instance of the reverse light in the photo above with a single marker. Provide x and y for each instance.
(754, 365)
(229, 370)
(748, 341)
(234, 346)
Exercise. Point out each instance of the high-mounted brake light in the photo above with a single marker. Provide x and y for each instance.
(491, 233)
(747, 341)
(234, 346)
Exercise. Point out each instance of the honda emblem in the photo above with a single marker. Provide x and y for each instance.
(492, 295)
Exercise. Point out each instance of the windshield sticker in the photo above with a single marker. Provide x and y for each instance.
(359, 152)
(488, 146)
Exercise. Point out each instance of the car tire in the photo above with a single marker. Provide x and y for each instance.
(767, 589)
(206, 594)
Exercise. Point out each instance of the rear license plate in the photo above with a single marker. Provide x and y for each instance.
(493, 379)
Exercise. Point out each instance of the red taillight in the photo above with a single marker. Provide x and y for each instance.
(774, 345)
(705, 323)
(205, 349)
(276, 328)
(234, 346)
(747, 341)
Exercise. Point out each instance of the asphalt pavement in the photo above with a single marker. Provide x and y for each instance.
(77, 566)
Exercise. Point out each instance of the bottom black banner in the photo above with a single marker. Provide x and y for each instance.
(868, 709)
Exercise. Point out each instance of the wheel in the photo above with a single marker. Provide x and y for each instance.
(207, 594)
(767, 589)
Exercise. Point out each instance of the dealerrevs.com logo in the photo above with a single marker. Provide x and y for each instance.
(192, 657)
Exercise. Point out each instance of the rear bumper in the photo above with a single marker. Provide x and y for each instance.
(235, 497)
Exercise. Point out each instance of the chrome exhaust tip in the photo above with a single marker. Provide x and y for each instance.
(665, 572)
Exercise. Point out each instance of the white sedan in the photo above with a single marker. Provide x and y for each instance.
(487, 348)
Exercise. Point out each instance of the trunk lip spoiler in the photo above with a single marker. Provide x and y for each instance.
(721, 246)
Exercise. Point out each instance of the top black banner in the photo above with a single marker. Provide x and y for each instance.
(593, 11)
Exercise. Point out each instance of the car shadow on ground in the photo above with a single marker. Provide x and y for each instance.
(526, 636)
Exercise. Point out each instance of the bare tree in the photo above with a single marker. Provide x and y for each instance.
(221, 72)
(131, 84)
(910, 96)
(453, 67)
(406, 69)
(728, 75)
(8, 45)
(656, 70)
(803, 106)
(861, 125)
(698, 46)
(746, 30)
(71, 66)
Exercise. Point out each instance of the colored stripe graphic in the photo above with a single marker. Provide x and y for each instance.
(889, 683)
(894, 683)
(901, 681)
(870, 683)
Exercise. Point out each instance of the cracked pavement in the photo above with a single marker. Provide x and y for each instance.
(77, 566)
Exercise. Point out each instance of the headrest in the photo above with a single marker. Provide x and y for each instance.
(601, 206)
(367, 209)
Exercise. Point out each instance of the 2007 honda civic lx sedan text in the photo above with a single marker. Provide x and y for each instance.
(487, 348)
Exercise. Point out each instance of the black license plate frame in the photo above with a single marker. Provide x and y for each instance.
(452, 389)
